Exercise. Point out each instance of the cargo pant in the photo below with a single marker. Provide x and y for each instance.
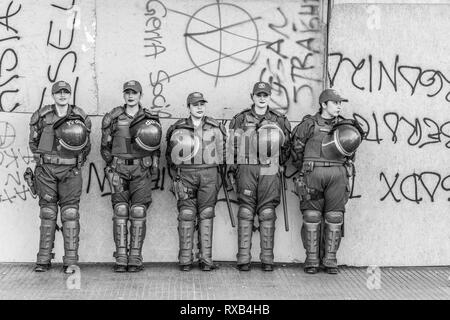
(131, 197)
(258, 194)
(323, 213)
(58, 185)
(197, 198)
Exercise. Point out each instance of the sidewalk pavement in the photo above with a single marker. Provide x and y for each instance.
(161, 281)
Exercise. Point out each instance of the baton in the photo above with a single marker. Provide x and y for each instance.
(283, 197)
(227, 196)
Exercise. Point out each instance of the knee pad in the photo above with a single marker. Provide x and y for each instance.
(186, 215)
(245, 213)
(138, 212)
(334, 217)
(48, 213)
(312, 216)
(267, 214)
(121, 210)
(207, 213)
(69, 214)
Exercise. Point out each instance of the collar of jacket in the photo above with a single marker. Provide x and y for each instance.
(140, 111)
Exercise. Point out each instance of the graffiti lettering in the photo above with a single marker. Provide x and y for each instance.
(432, 80)
(8, 63)
(419, 132)
(7, 134)
(152, 26)
(54, 40)
(159, 101)
(100, 182)
(415, 187)
(303, 64)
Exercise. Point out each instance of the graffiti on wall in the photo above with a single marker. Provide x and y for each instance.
(368, 74)
(287, 50)
(9, 59)
(12, 161)
(399, 128)
(294, 72)
(60, 39)
(155, 11)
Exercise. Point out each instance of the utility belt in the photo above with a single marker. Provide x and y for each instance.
(146, 161)
(253, 162)
(53, 159)
(309, 165)
(188, 167)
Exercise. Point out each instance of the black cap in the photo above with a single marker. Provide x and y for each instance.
(61, 85)
(133, 85)
(262, 87)
(331, 95)
(195, 97)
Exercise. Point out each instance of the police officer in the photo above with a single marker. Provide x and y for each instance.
(195, 149)
(130, 146)
(59, 140)
(261, 148)
(323, 148)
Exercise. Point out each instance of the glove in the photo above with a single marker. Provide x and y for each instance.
(37, 158)
(300, 188)
(155, 165)
(232, 169)
(231, 176)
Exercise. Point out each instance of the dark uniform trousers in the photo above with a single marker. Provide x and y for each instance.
(331, 187)
(197, 202)
(258, 194)
(58, 185)
(131, 197)
(323, 190)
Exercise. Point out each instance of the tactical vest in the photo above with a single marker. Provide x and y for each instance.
(249, 148)
(123, 144)
(313, 147)
(202, 147)
(48, 143)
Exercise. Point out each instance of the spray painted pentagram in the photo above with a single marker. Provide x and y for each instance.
(222, 40)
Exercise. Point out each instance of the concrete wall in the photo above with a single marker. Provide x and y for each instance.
(391, 61)
(172, 48)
